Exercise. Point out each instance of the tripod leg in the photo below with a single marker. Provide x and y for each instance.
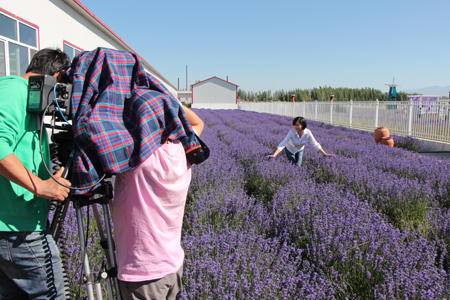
(87, 271)
(58, 218)
(98, 289)
(111, 249)
(110, 292)
(102, 243)
(109, 252)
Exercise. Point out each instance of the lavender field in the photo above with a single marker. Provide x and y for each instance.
(371, 223)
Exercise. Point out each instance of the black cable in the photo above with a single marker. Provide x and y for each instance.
(45, 165)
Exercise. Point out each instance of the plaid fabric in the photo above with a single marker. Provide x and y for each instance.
(121, 114)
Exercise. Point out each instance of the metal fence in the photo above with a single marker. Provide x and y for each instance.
(420, 119)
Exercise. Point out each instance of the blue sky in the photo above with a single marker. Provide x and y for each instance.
(274, 45)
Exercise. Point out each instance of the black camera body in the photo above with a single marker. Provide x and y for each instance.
(48, 97)
(44, 92)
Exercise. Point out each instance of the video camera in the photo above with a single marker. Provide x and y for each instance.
(45, 96)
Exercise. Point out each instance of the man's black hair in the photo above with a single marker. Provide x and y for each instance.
(301, 120)
(48, 62)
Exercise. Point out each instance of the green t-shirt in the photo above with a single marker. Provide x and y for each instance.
(21, 210)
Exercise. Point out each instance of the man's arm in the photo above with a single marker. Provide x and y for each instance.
(196, 123)
(13, 169)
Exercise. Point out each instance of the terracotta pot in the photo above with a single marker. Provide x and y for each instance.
(388, 141)
(380, 133)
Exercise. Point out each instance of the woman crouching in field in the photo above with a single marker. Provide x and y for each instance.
(295, 141)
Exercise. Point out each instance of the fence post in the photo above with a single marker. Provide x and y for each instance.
(315, 111)
(293, 109)
(331, 112)
(304, 109)
(376, 113)
(410, 118)
(351, 113)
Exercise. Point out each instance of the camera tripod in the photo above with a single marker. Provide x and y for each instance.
(101, 195)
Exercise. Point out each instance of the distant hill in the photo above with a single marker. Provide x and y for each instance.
(431, 90)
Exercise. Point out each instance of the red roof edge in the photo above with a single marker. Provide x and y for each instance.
(212, 78)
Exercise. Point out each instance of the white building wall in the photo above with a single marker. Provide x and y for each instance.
(214, 91)
(58, 22)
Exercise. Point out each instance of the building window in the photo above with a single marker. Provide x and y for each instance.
(27, 35)
(2, 59)
(18, 59)
(71, 50)
(18, 44)
(8, 27)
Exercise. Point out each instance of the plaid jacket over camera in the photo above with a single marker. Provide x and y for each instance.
(121, 114)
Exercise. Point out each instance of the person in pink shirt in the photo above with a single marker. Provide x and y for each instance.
(148, 209)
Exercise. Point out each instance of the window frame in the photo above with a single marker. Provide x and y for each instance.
(74, 47)
(6, 62)
(7, 40)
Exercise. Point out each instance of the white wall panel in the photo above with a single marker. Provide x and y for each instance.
(214, 90)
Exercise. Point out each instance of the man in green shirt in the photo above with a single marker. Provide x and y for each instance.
(30, 266)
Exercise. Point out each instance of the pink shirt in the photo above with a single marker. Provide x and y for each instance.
(148, 211)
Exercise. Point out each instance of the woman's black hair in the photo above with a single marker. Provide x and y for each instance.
(48, 62)
(301, 120)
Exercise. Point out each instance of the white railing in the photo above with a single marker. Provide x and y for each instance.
(420, 119)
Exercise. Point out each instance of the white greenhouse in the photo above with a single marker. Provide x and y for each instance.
(215, 93)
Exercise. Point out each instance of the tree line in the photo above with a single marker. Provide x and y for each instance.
(320, 94)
